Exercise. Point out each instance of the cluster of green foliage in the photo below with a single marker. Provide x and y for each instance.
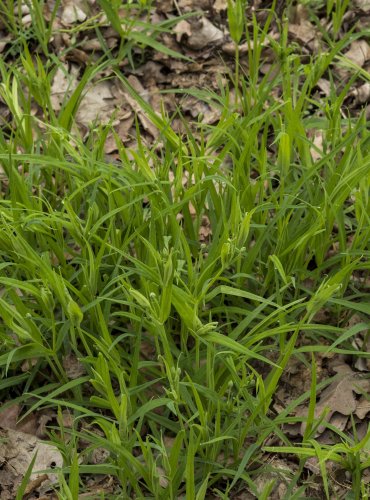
(103, 261)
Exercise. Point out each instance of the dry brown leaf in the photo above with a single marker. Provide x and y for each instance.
(205, 230)
(316, 149)
(9, 416)
(98, 101)
(364, 5)
(122, 130)
(164, 5)
(28, 364)
(339, 421)
(4, 40)
(64, 82)
(361, 94)
(163, 481)
(280, 474)
(359, 52)
(301, 29)
(73, 367)
(304, 32)
(151, 72)
(73, 12)
(339, 397)
(312, 464)
(324, 86)
(34, 423)
(67, 419)
(34, 484)
(17, 450)
(362, 429)
(144, 120)
(220, 5)
(182, 28)
(203, 33)
(201, 109)
(188, 5)
(229, 48)
(78, 56)
(363, 407)
(99, 456)
(361, 342)
(9, 420)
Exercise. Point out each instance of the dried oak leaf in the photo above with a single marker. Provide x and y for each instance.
(304, 32)
(34, 423)
(363, 408)
(301, 29)
(73, 12)
(182, 28)
(364, 5)
(4, 40)
(188, 5)
(279, 471)
(339, 396)
(316, 149)
(64, 83)
(17, 450)
(361, 94)
(359, 52)
(73, 367)
(98, 101)
(220, 5)
(144, 120)
(199, 34)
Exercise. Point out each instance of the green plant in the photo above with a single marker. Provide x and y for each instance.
(181, 339)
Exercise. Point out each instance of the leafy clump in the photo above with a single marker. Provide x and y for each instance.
(169, 241)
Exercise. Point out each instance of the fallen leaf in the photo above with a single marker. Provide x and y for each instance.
(229, 48)
(363, 407)
(163, 481)
(220, 5)
(17, 450)
(164, 5)
(205, 230)
(64, 82)
(316, 149)
(324, 86)
(9, 420)
(99, 455)
(144, 120)
(359, 52)
(361, 94)
(77, 55)
(182, 28)
(72, 12)
(203, 33)
(201, 110)
(34, 423)
(4, 41)
(67, 419)
(98, 101)
(122, 131)
(279, 471)
(339, 396)
(304, 32)
(300, 28)
(188, 5)
(364, 5)
(73, 367)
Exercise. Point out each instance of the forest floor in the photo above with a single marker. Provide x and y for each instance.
(184, 249)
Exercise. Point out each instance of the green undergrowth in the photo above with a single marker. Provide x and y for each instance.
(182, 339)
